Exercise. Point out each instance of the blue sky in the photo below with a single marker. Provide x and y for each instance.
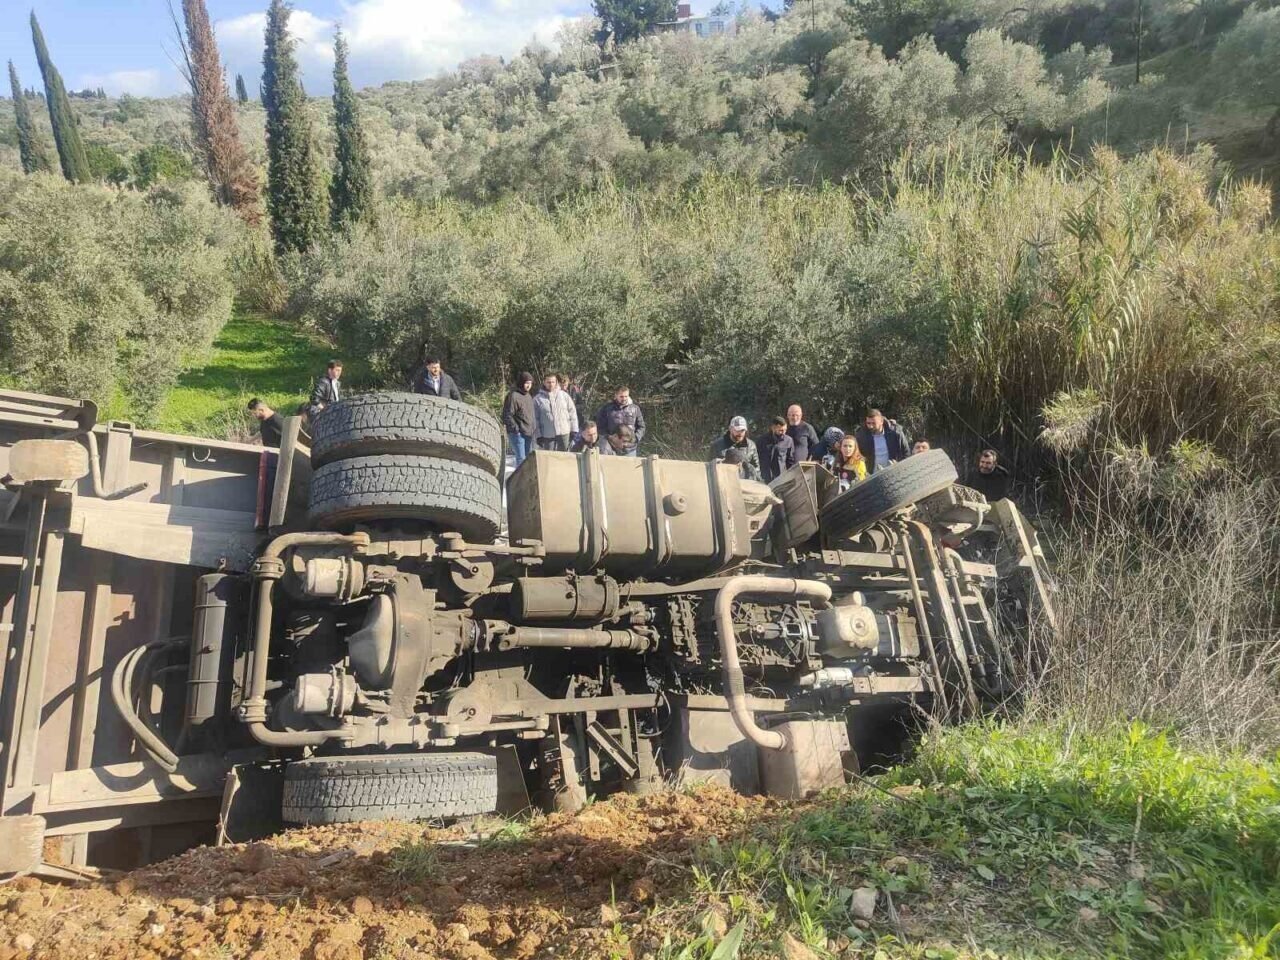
(126, 46)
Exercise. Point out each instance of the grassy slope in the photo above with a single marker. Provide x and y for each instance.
(999, 842)
(253, 356)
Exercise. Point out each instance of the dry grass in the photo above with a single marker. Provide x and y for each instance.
(1170, 614)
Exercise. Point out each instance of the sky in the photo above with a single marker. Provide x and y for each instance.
(128, 46)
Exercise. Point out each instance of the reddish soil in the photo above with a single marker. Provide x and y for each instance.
(330, 893)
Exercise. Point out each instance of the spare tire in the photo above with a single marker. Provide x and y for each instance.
(887, 491)
(388, 424)
(449, 495)
(416, 786)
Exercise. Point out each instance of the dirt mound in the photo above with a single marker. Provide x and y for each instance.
(555, 888)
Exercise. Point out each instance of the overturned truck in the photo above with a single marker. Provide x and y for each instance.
(208, 638)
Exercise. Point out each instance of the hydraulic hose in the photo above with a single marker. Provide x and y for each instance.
(122, 697)
(735, 686)
(267, 570)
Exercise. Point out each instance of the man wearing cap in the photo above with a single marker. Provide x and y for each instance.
(734, 446)
(830, 441)
(777, 451)
(802, 434)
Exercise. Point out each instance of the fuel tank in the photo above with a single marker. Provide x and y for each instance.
(633, 516)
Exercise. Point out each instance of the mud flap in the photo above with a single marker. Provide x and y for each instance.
(251, 799)
(21, 845)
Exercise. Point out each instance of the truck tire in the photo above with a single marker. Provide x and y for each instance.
(887, 491)
(411, 787)
(449, 495)
(383, 424)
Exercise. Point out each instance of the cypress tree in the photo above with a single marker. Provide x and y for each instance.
(231, 173)
(242, 92)
(66, 134)
(351, 189)
(31, 148)
(295, 199)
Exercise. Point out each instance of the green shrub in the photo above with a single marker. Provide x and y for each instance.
(103, 294)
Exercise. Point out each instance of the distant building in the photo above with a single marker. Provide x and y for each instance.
(709, 25)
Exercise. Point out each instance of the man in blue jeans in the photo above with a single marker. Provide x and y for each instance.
(518, 417)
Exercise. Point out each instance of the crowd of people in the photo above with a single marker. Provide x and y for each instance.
(849, 457)
(553, 418)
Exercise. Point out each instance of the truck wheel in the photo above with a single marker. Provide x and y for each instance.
(449, 495)
(380, 424)
(410, 787)
(888, 491)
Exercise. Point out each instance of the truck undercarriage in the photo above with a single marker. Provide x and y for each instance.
(208, 637)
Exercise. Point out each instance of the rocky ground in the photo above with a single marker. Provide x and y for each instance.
(562, 886)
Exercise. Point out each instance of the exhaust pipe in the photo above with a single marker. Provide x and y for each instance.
(735, 686)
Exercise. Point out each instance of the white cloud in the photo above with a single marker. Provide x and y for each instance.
(400, 39)
(140, 83)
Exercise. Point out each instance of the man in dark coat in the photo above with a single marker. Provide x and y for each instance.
(518, 417)
(802, 434)
(328, 388)
(882, 441)
(777, 451)
(622, 411)
(434, 382)
(990, 478)
(270, 423)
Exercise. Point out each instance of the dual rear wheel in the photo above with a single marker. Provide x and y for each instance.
(406, 457)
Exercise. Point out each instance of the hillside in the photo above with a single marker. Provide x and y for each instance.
(831, 94)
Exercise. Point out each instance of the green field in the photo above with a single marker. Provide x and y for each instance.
(253, 356)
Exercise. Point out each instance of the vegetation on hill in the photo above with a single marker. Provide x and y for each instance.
(104, 294)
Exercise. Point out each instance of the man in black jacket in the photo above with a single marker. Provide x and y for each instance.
(882, 441)
(802, 434)
(990, 479)
(777, 451)
(434, 382)
(328, 388)
(270, 423)
(517, 416)
(621, 411)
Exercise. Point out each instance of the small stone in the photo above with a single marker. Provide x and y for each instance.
(863, 904)
(608, 915)
(897, 865)
(24, 941)
(27, 884)
(256, 858)
(161, 916)
(362, 906)
(793, 949)
(1092, 883)
(641, 890)
(207, 913)
(1136, 871)
(155, 929)
(25, 904)
(457, 932)
(445, 897)
(226, 905)
(181, 905)
(1087, 915)
(715, 923)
